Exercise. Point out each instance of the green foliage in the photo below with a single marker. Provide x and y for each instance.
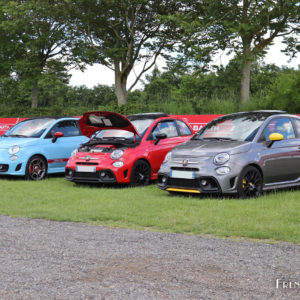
(38, 40)
(285, 92)
(197, 93)
(120, 34)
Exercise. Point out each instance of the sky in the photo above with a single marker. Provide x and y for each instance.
(97, 74)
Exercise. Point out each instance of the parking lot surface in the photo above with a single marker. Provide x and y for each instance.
(58, 260)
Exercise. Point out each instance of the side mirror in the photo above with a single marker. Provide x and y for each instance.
(274, 137)
(158, 137)
(57, 135)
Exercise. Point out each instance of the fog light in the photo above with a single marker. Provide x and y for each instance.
(118, 164)
(164, 179)
(102, 174)
(13, 157)
(223, 170)
(70, 172)
(203, 182)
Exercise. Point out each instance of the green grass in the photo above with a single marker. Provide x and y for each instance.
(274, 216)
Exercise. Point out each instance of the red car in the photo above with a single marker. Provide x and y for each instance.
(124, 149)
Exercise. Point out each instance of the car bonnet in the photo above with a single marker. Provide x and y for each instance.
(210, 148)
(7, 142)
(94, 121)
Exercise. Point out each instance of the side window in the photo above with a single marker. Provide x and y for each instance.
(167, 127)
(183, 128)
(297, 124)
(281, 125)
(68, 128)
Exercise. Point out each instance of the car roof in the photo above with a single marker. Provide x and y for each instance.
(145, 116)
(261, 112)
(50, 117)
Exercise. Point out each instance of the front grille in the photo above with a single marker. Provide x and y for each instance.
(184, 169)
(193, 183)
(91, 175)
(87, 163)
(99, 176)
(3, 167)
(206, 184)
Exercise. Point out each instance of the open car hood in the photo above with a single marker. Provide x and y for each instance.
(94, 121)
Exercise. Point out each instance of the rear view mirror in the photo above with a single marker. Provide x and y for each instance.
(158, 137)
(274, 137)
(57, 135)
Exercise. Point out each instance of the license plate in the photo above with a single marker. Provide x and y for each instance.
(87, 169)
(182, 174)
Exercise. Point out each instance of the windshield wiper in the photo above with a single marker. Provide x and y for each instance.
(215, 138)
(219, 138)
(17, 135)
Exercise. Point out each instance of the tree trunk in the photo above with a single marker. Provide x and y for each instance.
(120, 88)
(34, 95)
(245, 84)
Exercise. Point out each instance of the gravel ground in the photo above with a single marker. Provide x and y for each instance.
(51, 260)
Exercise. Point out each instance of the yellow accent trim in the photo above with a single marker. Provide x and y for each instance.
(183, 190)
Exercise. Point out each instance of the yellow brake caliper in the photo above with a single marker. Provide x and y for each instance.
(244, 183)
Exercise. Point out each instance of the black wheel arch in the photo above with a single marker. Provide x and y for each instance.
(258, 168)
(143, 160)
(37, 155)
(41, 155)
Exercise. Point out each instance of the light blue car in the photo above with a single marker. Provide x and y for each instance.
(36, 147)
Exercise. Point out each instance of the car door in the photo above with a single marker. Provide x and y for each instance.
(279, 160)
(157, 152)
(58, 151)
(296, 123)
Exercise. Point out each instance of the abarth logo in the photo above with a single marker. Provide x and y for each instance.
(185, 162)
(87, 158)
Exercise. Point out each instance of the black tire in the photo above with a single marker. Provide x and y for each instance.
(140, 174)
(250, 183)
(36, 168)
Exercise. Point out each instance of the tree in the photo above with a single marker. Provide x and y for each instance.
(38, 40)
(246, 27)
(121, 34)
(254, 25)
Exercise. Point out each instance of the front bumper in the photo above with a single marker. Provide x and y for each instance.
(202, 184)
(102, 176)
(205, 179)
(104, 171)
(12, 167)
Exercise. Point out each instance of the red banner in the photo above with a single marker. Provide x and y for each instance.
(196, 121)
(6, 123)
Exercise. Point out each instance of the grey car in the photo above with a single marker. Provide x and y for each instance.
(243, 153)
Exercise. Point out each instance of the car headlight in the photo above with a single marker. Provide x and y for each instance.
(118, 164)
(13, 150)
(223, 170)
(13, 157)
(116, 154)
(167, 157)
(73, 153)
(221, 158)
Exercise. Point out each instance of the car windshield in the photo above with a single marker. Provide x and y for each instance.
(232, 127)
(140, 125)
(29, 128)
